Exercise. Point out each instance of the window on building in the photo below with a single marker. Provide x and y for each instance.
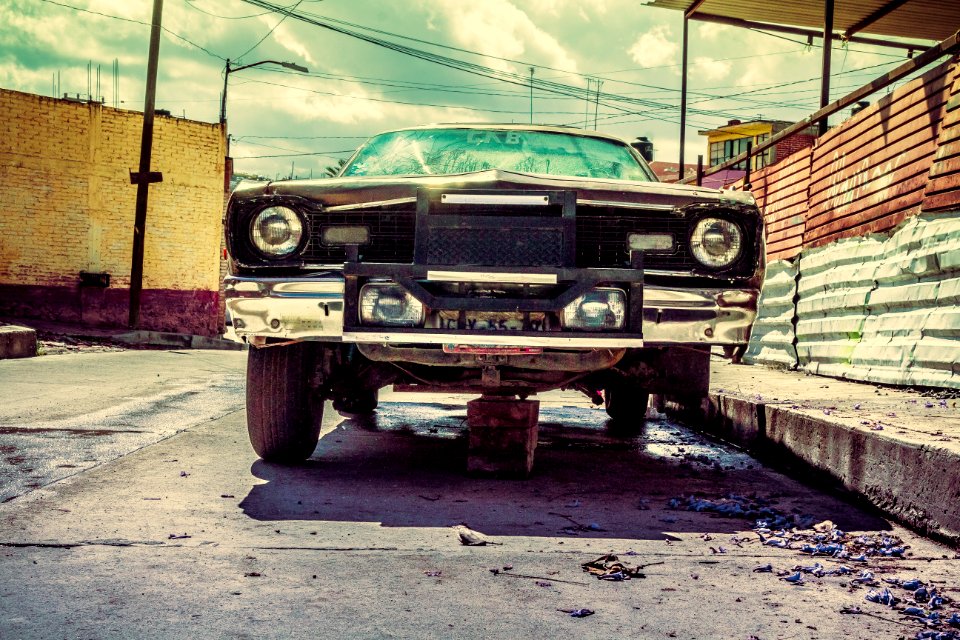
(723, 151)
(766, 157)
(727, 149)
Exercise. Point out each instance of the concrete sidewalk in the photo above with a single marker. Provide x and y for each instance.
(126, 337)
(898, 448)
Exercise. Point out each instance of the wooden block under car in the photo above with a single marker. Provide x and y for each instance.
(503, 436)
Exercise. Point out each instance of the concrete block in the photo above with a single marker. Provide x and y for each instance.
(17, 342)
(503, 436)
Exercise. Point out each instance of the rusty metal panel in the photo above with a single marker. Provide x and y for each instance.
(781, 192)
(922, 20)
(870, 173)
(943, 188)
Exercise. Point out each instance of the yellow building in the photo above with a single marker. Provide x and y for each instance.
(68, 213)
(730, 140)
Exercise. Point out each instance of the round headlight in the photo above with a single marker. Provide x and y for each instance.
(716, 243)
(276, 231)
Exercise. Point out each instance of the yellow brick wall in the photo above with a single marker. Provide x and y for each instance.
(67, 205)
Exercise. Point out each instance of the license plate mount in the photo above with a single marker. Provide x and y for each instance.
(491, 349)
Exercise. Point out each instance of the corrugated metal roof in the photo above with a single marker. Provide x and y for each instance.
(916, 19)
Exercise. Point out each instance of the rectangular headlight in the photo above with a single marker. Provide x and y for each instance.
(389, 305)
(345, 234)
(601, 309)
(659, 242)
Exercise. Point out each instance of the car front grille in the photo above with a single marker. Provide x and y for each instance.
(601, 240)
(602, 237)
(391, 234)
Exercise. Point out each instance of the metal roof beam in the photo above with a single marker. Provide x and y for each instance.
(807, 33)
(891, 6)
(692, 9)
(946, 47)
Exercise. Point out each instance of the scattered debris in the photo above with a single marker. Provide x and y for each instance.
(497, 572)
(577, 526)
(882, 597)
(578, 613)
(178, 536)
(433, 574)
(796, 578)
(609, 567)
(736, 506)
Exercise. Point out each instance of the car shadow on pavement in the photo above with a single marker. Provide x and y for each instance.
(405, 467)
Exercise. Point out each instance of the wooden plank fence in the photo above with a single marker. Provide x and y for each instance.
(895, 158)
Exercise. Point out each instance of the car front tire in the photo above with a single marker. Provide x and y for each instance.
(626, 404)
(283, 418)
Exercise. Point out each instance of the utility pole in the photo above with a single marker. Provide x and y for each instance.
(683, 93)
(144, 176)
(531, 95)
(823, 125)
(586, 105)
(596, 103)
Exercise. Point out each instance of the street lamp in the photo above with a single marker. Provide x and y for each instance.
(227, 70)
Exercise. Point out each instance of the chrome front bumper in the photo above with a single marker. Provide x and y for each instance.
(312, 309)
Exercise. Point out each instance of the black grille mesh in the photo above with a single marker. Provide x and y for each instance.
(496, 247)
(601, 239)
(391, 234)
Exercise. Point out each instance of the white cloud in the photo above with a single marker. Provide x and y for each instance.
(498, 28)
(655, 48)
(710, 69)
(711, 32)
(285, 37)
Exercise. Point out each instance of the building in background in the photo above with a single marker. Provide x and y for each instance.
(68, 210)
(727, 142)
(669, 171)
(730, 140)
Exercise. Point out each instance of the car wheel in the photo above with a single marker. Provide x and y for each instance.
(361, 402)
(626, 404)
(283, 420)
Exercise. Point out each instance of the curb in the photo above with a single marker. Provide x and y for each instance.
(17, 342)
(909, 477)
(180, 340)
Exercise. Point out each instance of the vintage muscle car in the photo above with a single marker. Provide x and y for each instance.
(488, 259)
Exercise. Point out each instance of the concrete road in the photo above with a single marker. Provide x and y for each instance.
(180, 532)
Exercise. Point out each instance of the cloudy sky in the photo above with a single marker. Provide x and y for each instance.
(477, 68)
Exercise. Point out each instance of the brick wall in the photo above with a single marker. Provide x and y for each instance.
(68, 206)
(793, 144)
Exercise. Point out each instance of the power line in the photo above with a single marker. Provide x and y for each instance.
(241, 138)
(410, 104)
(475, 69)
(267, 34)
(297, 155)
(190, 3)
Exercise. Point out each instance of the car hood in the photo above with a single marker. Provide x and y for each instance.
(332, 192)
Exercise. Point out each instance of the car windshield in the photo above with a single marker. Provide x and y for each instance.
(450, 151)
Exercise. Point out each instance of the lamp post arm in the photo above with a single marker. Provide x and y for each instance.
(227, 70)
